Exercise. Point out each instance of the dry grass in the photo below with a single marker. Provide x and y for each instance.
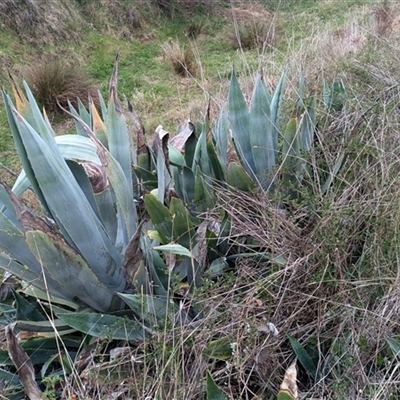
(55, 80)
(39, 23)
(256, 34)
(382, 18)
(180, 57)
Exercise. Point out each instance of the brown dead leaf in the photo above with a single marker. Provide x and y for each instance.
(23, 363)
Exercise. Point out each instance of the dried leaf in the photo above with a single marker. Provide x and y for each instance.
(289, 385)
(133, 255)
(23, 363)
(140, 131)
(179, 141)
(97, 177)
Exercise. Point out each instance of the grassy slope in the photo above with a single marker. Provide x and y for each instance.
(356, 304)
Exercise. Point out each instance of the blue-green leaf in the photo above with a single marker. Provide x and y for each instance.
(240, 122)
(104, 326)
(261, 134)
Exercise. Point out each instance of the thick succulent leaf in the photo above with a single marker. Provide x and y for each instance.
(307, 126)
(219, 349)
(84, 183)
(126, 209)
(174, 249)
(103, 106)
(11, 379)
(193, 272)
(160, 216)
(217, 267)
(213, 391)
(119, 141)
(203, 198)
(17, 258)
(185, 142)
(238, 178)
(98, 126)
(221, 136)
(7, 207)
(68, 268)
(394, 346)
(261, 134)
(72, 147)
(184, 181)
(240, 122)
(326, 94)
(304, 358)
(179, 141)
(275, 105)
(25, 310)
(51, 293)
(77, 148)
(162, 162)
(203, 160)
(150, 309)
(79, 129)
(160, 272)
(217, 167)
(104, 326)
(29, 109)
(84, 114)
(46, 328)
(183, 224)
(23, 272)
(291, 151)
(68, 204)
(37, 355)
(13, 117)
(176, 158)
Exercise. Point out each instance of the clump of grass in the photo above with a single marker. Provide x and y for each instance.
(382, 18)
(55, 81)
(253, 34)
(195, 27)
(181, 58)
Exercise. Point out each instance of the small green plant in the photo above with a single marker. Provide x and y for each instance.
(180, 57)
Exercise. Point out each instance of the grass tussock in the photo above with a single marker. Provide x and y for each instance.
(181, 58)
(54, 81)
(257, 34)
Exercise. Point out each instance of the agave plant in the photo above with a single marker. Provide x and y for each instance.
(109, 210)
